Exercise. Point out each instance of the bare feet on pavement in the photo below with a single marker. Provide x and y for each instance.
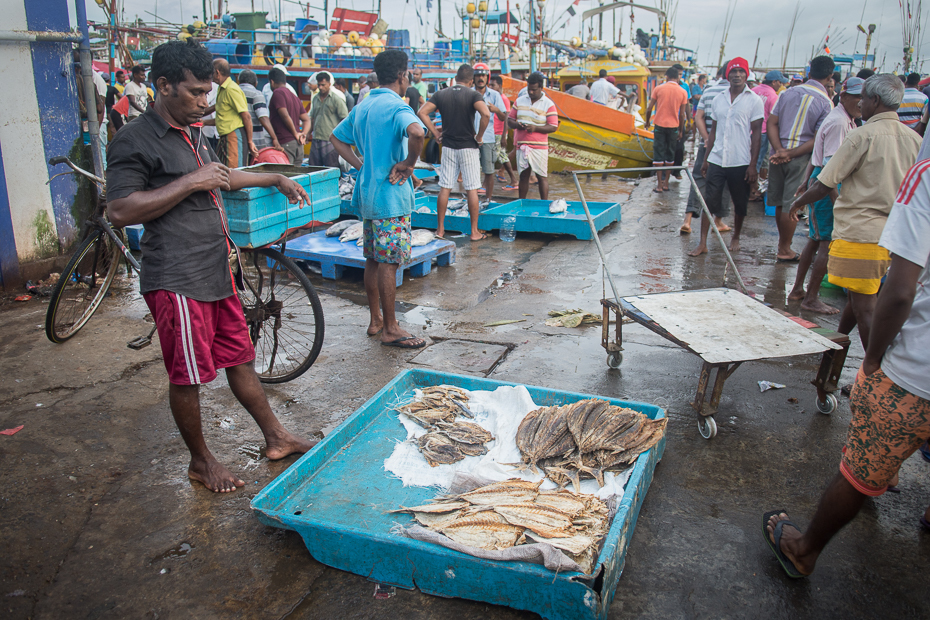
(213, 475)
(819, 306)
(374, 328)
(734, 246)
(796, 295)
(701, 249)
(286, 445)
(790, 539)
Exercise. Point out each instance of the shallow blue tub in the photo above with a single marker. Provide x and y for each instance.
(430, 220)
(534, 216)
(337, 497)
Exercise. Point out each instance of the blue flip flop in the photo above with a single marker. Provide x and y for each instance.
(790, 569)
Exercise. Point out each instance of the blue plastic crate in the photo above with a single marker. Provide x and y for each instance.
(486, 220)
(398, 38)
(134, 236)
(769, 209)
(337, 497)
(534, 216)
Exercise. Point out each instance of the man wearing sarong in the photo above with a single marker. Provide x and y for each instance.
(533, 117)
(871, 165)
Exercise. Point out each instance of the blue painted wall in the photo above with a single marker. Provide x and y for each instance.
(9, 263)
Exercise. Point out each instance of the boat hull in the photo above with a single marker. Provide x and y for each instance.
(580, 146)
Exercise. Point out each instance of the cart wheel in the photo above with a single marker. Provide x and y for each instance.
(615, 359)
(707, 427)
(828, 405)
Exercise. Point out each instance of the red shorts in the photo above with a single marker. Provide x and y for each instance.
(199, 337)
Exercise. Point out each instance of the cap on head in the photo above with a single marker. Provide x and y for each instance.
(482, 69)
(611, 79)
(738, 63)
(853, 86)
(776, 76)
(282, 68)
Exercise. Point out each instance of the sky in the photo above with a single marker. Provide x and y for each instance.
(698, 24)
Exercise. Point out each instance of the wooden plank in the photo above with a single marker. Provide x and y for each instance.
(722, 326)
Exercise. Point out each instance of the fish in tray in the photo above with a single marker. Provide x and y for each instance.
(515, 512)
(559, 205)
(339, 227)
(448, 440)
(585, 439)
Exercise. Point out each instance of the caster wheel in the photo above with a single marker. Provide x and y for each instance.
(828, 405)
(707, 427)
(615, 359)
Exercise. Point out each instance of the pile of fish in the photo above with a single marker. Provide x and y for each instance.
(515, 512)
(447, 440)
(346, 187)
(585, 439)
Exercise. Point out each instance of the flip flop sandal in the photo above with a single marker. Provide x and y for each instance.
(793, 259)
(790, 569)
(483, 237)
(511, 188)
(724, 228)
(399, 343)
(684, 230)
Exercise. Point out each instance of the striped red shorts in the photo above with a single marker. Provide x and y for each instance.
(199, 337)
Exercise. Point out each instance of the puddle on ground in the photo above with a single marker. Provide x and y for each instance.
(419, 315)
(175, 552)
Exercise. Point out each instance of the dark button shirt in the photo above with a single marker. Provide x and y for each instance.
(184, 250)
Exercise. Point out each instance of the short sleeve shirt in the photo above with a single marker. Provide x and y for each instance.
(871, 164)
(539, 112)
(457, 106)
(500, 127)
(139, 94)
(907, 234)
(912, 107)
(491, 97)
(377, 127)
(602, 91)
(769, 99)
(283, 98)
(230, 103)
(800, 110)
(326, 113)
(185, 250)
(423, 89)
(669, 98)
(831, 135)
(258, 108)
(733, 120)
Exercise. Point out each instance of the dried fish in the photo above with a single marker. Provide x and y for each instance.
(439, 507)
(543, 434)
(562, 500)
(488, 534)
(507, 492)
(464, 432)
(445, 391)
(439, 449)
(575, 545)
(543, 520)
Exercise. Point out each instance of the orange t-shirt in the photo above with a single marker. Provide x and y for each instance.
(668, 97)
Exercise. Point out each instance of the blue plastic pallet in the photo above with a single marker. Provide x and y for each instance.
(333, 256)
(534, 216)
(337, 497)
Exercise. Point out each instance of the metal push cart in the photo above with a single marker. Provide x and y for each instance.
(724, 328)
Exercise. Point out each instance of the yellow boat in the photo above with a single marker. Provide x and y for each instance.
(592, 136)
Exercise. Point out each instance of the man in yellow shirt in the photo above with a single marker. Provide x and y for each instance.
(233, 121)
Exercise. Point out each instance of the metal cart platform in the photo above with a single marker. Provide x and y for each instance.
(724, 328)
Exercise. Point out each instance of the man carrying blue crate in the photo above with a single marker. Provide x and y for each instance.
(162, 173)
(389, 136)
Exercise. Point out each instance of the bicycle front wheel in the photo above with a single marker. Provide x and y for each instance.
(284, 315)
(82, 286)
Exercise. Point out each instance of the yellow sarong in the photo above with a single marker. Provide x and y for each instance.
(858, 267)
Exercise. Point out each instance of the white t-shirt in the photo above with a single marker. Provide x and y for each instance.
(139, 94)
(101, 86)
(603, 91)
(907, 234)
(209, 131)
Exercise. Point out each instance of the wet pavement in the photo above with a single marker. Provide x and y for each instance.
(100, 520)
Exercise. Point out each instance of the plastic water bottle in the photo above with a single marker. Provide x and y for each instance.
(508, 228)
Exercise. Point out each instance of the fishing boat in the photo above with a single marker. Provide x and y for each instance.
(592, 136)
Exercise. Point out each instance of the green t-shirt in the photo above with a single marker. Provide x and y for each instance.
(424, 90)
(326, 114)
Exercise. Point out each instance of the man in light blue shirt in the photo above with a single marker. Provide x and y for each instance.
(389, 137)
(487, 149)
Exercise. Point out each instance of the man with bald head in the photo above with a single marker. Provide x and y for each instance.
(233, 121)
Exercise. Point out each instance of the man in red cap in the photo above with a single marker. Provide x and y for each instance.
(733, 148)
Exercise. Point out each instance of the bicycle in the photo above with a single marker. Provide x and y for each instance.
(281, 308)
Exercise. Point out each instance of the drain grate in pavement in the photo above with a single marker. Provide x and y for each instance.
(462, 356)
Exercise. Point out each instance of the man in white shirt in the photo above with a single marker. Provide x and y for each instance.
(732, 145)
(890, 401)
(137, 93)
(100, 86)
(266, 89)
(603, 91)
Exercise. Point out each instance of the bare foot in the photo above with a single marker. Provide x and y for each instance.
(287, 445)
(795, 295)
(819, 306)
(440, 233)
(790, 537)
(734, 245)
(701, 249)
(213, 475)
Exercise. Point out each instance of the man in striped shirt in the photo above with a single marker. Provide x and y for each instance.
(791, 128)
(914, 105)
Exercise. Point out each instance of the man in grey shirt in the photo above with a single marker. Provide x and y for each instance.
(263, 134)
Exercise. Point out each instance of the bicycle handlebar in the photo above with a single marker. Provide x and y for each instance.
(55, 161)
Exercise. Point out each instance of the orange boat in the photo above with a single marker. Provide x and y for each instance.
(590, 136)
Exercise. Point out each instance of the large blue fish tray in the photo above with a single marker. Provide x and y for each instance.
(337, 497)
(534, 216)
(430, 220)
(334, 256)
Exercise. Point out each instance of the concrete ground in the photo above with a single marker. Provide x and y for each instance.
(99, 519)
